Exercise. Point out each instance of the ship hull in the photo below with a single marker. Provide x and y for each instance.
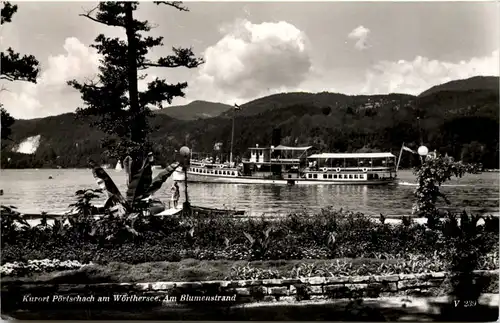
(197, 178)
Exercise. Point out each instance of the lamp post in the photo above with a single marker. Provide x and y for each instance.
(185, 153)
(232, 139)
(422, 151)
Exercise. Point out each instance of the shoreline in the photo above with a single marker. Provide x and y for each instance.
(388, 220)
(493, 170)
(36, 216)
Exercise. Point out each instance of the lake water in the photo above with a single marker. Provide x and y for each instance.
(32, 191)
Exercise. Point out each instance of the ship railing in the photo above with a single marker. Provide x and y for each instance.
(285, 160)
(360, 169)
(206, 164)
(272, 161)
(215, 166)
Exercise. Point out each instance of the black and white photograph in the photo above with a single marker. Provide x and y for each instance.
(250, 160)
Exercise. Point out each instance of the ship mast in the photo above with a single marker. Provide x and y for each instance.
(232, 138)
(236, 107)
(399, 158)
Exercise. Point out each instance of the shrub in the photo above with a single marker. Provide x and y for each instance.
(430, 175)
(249, 272)
(469, 243)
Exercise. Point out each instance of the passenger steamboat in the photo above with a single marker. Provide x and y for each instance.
(279, 164)
(297, 166)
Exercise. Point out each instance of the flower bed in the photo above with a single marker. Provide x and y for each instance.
(412, 265)
(192, 269)
(38, 266)
(207, 270)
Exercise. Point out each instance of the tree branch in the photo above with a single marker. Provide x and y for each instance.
(175, 4)
(183, 57)
(15, 67)
(99, 21)
(172, 65)
(88, 15)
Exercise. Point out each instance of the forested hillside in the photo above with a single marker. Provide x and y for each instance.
(462, 123)
(473, 83)
(194, 110)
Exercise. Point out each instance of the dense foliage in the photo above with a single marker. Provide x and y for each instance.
(14, 68)
(330, 234)
(463, 124)
(119, 109)
(432, 174)
(465, 237)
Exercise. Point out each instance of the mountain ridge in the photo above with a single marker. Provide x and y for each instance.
(471, 83)
(200, 109)
(462, 122)
(194, 110)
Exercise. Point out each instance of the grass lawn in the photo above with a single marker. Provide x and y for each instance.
(185, 270)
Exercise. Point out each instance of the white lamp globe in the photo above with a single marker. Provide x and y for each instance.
(423, 151)
(184, 151)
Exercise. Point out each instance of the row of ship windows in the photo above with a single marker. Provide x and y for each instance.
(210, 171)
(338, 176)
(325, 176)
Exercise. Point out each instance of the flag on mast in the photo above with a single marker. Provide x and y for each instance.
(236, 107)
(409, 149)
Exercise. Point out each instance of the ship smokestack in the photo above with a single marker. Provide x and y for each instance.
(276, 138)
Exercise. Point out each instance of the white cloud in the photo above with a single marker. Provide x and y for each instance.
(51, 95)
(414, 77)
(249, 61)
(360, 35)
(252, 60)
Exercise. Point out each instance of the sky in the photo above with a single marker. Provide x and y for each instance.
(254, 49)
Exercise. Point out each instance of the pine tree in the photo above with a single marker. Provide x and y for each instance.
(14, 67)
(113, 102)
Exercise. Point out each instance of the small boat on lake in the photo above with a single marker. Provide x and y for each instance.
(283, 165)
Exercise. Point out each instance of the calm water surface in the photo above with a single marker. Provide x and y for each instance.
(32, 191)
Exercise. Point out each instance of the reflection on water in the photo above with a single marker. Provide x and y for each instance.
(270, 199)
(33, 191)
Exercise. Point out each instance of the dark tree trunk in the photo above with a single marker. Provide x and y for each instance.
(136, 133)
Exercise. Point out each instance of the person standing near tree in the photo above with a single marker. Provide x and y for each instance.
(175, 194)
